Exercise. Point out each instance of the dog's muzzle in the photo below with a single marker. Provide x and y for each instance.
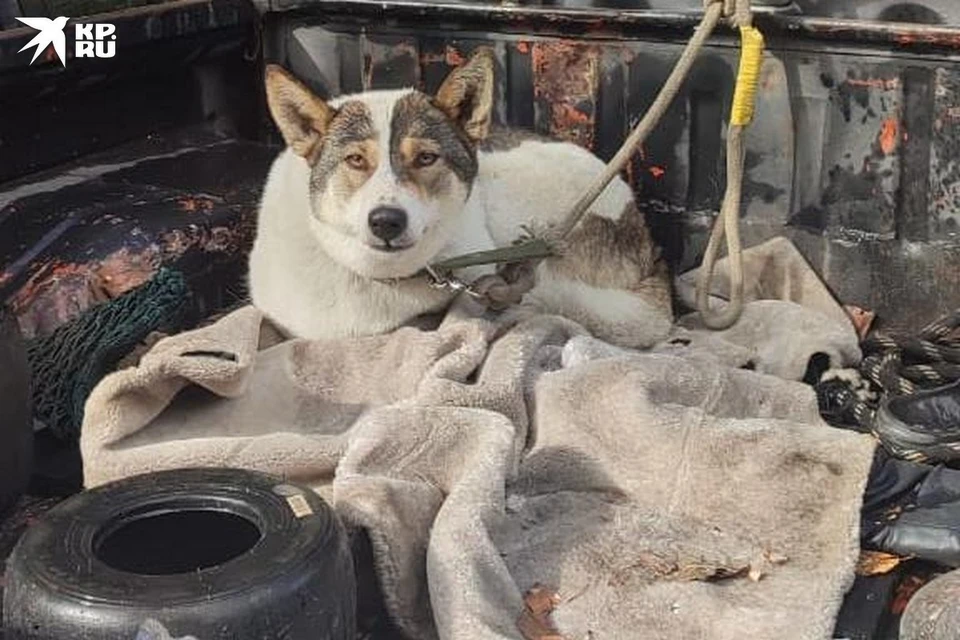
(387, 223)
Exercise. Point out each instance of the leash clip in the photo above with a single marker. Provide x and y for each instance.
(451, 283)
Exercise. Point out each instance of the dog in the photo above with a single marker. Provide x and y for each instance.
(373, 187)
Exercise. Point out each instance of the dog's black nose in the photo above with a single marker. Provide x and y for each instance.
(388, 223)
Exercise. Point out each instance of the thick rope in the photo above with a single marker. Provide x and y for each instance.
(727, 223)
(650, 120)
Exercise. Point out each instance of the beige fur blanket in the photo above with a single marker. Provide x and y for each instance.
(489, 455)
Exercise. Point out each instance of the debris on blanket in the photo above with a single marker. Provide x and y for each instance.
(878, 563)
(764, 565)
(653, 566)
(707, 572)
(534, 622)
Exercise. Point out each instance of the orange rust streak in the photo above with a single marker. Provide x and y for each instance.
(192, 204)
(888, 84)
(888, 135)
(565, 114)
(933, 39)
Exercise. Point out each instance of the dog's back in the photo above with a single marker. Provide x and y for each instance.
(611, 277)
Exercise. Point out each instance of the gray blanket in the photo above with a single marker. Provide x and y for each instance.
(664, 494)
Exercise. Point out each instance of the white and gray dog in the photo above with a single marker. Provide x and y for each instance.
(375, 186)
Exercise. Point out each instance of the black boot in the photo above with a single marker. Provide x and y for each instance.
(913, 509)
(924, 426)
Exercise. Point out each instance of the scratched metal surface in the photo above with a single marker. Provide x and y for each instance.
(853, 153)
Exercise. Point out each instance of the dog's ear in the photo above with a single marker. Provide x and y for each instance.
(466, 96)
(301, 116)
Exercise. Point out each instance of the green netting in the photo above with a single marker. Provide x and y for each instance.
(68, 363)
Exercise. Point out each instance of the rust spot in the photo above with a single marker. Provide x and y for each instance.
(565, 116)
(566, 76)
(523, 47)
(124, 270)
(931, 38)
(657, 172)
(222, 239)
(56, 293)
(60, 291)
(888, 135)
(887, 84)
(194, 204)
(177, 242)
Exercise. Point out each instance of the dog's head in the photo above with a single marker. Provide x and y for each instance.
(390, 171)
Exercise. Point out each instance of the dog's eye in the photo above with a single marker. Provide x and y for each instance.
(356, 161)
(425, 159)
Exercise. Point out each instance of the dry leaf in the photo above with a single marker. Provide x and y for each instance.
(710, 572)
(862, 319)
(877, 563)
(540, 600)
(534, 622)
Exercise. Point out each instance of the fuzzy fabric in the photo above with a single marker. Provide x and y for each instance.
(664, 494)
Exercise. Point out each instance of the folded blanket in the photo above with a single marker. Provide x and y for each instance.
(772, 270)
(488, 455)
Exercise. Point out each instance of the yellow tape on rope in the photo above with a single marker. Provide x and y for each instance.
(748, 76)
